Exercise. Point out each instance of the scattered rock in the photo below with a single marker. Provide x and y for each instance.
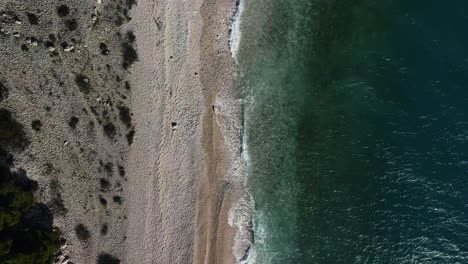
(5, 31)
(32, 41)
(66, 47)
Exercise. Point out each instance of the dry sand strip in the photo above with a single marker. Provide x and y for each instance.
(179, 194)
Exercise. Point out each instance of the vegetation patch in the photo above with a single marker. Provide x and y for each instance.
(109, 130)
(36, 125)
(121, 171)
(125, 116)
(130, 55)
(73, 122)
(83, 83)
(11, 132)
(8, 126)
(63, 11)
(130, 136)
(104, 50)
(3, 92)
(102, 200)
(117, 199)
(71, 24)
(104, 229)
(130, 3)
(127, 86)
(105, 184)
(82, 232)
(109, 168)
(32, 19)
(105, 258)
(131, 37)
(26, 231)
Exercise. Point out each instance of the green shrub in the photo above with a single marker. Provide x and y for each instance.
(26, 233)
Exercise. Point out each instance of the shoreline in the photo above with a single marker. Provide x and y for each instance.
(185, 172)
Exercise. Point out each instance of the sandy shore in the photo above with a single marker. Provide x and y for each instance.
(186, 112)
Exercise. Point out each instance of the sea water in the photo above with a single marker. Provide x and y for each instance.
(356, 127)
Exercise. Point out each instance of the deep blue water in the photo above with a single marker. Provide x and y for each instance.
(357, 130)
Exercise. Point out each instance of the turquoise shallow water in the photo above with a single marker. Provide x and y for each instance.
(356, 123)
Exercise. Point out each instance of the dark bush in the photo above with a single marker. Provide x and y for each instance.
(24, 47)
(26, 232)
(82, 232)
(124, 115)
(121, 171)
(109, 168)
(83, 83)
(52, 37)
(63, 11)
(3, 92)
(71, 24)
(131, 36)
(130, 3)
(39, 217)
(104, 229)
(117, 199)
(36, 125)
(127, 86)
(32, 18)
(102, 200)
(130, 55)
(57, 206)
(130, 136)
(104, 50)
(73, 122)
(24, 182)
(49, 44)
(105, 184)
(105, 258)
(110, 130)
(11, 132)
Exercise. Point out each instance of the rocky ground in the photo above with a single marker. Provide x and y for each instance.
(64, 76)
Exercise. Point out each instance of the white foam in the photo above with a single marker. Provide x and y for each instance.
(236, 33)
(231, 125)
